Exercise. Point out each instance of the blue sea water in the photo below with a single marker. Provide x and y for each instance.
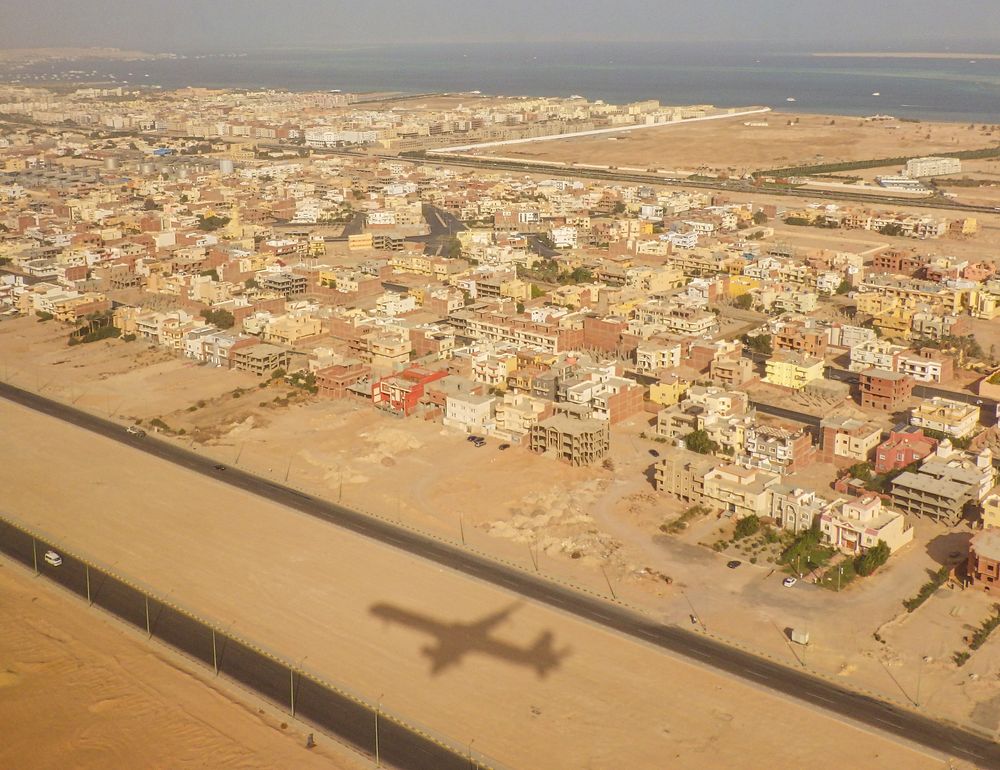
(929, 89)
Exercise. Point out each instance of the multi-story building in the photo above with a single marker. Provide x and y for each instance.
(573, 440)
(793, 370)
(739, 491)
(401, 393)
(932, 166)
(681, 474)
(848, 439)
(984, 560)
(259, 358)
(778, 449)
(885, 390)
(794, 508)
(953, 418)
(902, 448)
(724, 415)
(859, 524)
(946, 487)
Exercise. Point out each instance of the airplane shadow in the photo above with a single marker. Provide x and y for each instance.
(452, 641)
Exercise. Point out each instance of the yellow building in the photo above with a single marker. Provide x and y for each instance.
(793, 370)
(360, 242)
(741, 284)
(894, 324)
(668, 392)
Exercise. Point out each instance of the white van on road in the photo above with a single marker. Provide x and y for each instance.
(52, 558)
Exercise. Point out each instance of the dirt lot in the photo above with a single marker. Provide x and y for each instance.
(310, 595)
(79, 690)
(729, 145)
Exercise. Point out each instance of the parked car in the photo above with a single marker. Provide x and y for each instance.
(734, 564)
(219, 467)
(479, 441)
(135, 430)
(654, 453)
(471, 438)
(503, 447)
(52, 558)
(788, 582)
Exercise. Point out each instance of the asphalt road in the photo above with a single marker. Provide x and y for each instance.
(896, 720)
(733, 186)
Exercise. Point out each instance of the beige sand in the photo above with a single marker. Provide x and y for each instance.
(730, 146)
(305, 589)
(78, 690)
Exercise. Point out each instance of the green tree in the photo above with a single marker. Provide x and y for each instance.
(861, 471)
(221, 318)
(872, 559)
(758, 344)
(699, 441)
(744, 301)
(844, 287)
(748, 525)
(759, 217)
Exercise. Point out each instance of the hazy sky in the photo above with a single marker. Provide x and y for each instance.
(207, 25)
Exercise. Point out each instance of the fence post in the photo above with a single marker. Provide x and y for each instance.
(148, 631)
(34, 554)
(291, 687)
(215, 655)
(86, 569)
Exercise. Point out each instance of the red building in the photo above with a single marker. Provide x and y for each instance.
(333, 381)
(902, 448)
(400, 393)
(885, 390)
(984, 559)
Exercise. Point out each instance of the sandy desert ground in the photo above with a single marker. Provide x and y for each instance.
(78, 690)
(306, 589)
(729, 145)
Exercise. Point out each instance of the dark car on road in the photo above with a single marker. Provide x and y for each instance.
(733, 564)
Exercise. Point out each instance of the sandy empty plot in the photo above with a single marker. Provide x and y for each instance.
(731, 145)
(78, 691)
(307, 590)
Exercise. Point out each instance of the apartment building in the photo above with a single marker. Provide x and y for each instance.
(334, 381)
(953, 418)
(885, 390)
(799, 338)
(946, 486)
(778, 449)
(470, 412)
(739, 491)
(517, 413)
(848, 439)
(932, 166)
(681, 474)
(724, 415)
(259, 358)
(577, 441)
(792, 370)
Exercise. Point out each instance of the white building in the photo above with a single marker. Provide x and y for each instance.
(933, 166)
